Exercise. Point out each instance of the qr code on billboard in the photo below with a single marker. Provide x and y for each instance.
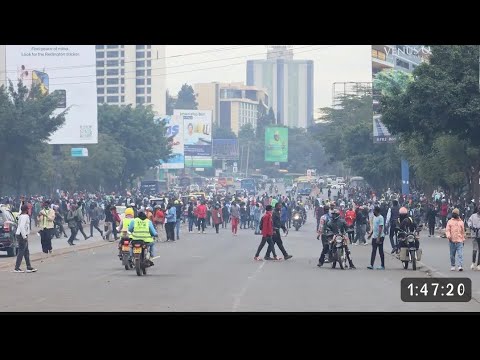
(85, 131)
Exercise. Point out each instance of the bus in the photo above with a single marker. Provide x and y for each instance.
(249, 185)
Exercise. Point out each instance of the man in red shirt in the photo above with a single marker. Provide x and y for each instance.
(350, 217)
(444, 213)
(266, 226)
(202, 216)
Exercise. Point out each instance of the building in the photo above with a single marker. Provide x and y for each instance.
(289, 84)
(131, 74)
(233, 104)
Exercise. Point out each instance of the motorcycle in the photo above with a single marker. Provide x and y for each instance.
(338, 251)
(297, 221)
(141, 256)
(410, 251)
(125, 257)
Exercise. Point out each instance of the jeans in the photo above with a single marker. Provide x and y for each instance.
(201, 222)
(94, 224)
(111, 229)
(23, 252)
(170, 230)
(444, 223)
(318, 223)
(191, 222)
(73, 234)
(151, 248)
(431, 228)
(80, 228)
(277, 239)
(350, 234)
(269, 240)
(375, 245)
(393, 232)
(217, 226)
(177, 227)
(456, 248)
(257, 226)
(46, 239)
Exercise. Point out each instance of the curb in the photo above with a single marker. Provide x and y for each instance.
(42, 256)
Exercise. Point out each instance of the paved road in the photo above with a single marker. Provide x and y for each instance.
(213, 272)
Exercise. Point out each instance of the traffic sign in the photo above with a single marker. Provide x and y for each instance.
(79, 152)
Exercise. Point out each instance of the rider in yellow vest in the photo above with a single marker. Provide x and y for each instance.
(143, 229)
(123, 228)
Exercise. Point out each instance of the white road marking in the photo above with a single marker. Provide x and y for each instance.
(156, 257)
(239, 296)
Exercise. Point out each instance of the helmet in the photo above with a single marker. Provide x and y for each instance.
(176, 202)
(403, 211)
(149, 208)
(335, 213)
(129, 211)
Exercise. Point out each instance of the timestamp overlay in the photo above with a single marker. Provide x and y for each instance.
(436, 289)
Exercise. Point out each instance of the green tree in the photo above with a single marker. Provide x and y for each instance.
(26, 123)
(186, 99)
(223, 133)
(442, 101)
(170, 103)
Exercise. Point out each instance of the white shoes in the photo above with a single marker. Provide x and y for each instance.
(478, 267)
(472, 266)
(452, 268)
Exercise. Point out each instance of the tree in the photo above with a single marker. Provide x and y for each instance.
(26, 123)
(186, 99)
(223, 133)
(170, 103)
(442, 100)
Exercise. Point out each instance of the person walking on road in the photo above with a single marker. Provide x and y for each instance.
(191, 217)
(80, 220)
(455, 233)
(202, 216)
(267, 233)
(474, 224)
(392, 217)
(225, 215)
(72, 224)
(46, 218)
(325, 245)
(95, 216)
(217, 217)
(431, 216)
(277, 239)
(257, 215)
(235, 216)
(171, 217)
(378, 239)
(23, 230)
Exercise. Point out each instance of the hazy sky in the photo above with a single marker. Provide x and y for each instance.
(227, 63)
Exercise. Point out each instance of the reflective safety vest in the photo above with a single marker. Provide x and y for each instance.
(125, 224)
(141, 230)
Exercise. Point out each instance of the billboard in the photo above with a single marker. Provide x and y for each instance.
(197, 137)
(67, 70)
(276, 144)
(174, 132)
(225, 149)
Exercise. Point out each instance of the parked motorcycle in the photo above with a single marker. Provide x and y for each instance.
(297, 220)
(141, 257)
(127, 260)
(409, 246)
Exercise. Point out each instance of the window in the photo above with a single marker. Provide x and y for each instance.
(149, 81)
(149, 63)
(112, 71)
(140, 72)
(123, 99)
(112, 90)
(100, 63)
(140, 90)
(140, 64)
(100, 99)
(112, 62)
(140, 100)
(112, 99)
(100, 54)
(112, 46)
(122, 90)
(122, 81)
(112, 54)
(99, 46)
(149, 72)
(149, 90)
(379, 55)
(112, 81)
(141, 55)
(123, 53)
(101, 90)
(140, 47)
(122, 62)
(149, 99)
(122, 71)
(403, 64)
(100, 72)
(140, 81)
(149, 46)
(100, 81)
(149, 54)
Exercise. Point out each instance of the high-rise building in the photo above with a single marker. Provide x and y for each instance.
(132, 74)
(289, 84)
(233, 104)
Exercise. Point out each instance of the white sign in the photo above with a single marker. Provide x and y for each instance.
(235, 169)
(69, 70)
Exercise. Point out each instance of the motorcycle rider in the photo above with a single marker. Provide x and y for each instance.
(142, 229)
(123, 229)
(392, 218)
(337, 225)
(404, 223)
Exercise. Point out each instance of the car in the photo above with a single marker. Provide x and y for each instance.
(8, 226)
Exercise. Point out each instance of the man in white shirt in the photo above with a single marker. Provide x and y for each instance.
(23, 230)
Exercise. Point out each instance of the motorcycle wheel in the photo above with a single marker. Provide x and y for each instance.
(138, 267)
(125, 261)
(296, 228)
(405, 265)
(341, 259)
(413, 257)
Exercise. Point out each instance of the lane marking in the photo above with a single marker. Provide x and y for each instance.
(239, 296)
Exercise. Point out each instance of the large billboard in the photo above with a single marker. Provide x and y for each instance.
(68, 70)
(276, 144)
(174, 133)
(225, 149)
(197, 137)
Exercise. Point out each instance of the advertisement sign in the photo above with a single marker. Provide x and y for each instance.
(174, 133)
(276, 144)
(79, 152)
(67, 70)
(225, 149)
(197, 137)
